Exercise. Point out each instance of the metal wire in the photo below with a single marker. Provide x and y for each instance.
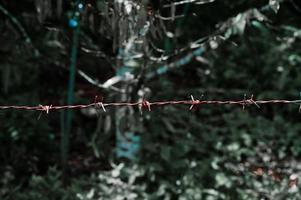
(146, 105)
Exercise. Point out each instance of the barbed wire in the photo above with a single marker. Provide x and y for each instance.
(146, 105)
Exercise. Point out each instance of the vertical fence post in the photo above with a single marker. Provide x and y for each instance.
(66, 118)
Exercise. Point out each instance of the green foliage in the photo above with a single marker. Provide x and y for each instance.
(213, 152)
(48, 186)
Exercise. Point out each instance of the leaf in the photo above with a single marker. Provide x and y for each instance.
(177, 164)
(293, 180)
(241, 21)
(275, 5)
(166, 153)
(258, 171)
(258, 15)
(261, 27)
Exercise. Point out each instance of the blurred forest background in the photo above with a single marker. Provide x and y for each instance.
(158, 50)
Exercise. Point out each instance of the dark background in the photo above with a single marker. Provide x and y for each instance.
(212, 152)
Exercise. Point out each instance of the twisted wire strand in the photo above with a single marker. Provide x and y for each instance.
(144, 104)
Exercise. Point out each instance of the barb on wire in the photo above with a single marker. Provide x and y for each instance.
(244, 102)
(45, 109)
(253, 102)
(193, 102)
(99, 104)
(146, 105)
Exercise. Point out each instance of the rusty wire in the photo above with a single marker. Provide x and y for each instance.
(146, 105)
